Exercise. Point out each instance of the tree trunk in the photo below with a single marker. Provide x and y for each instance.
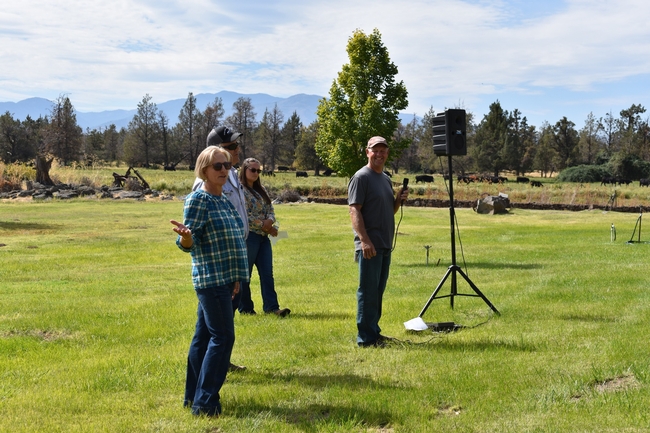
(43, 170)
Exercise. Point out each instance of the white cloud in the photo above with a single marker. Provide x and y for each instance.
(108, 55)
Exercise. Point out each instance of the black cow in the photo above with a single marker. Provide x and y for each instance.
(283, 168)
(622, 181)
(300, 173)
(268, 173)
(535, 183)
(424, 178)
(170, 167)
(644, 182)
(607, 180)
(328, 172)
(522, 179)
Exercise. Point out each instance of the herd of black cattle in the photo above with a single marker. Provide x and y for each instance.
(428, 178)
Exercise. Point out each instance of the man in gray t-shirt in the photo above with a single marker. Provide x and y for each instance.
(372, 210)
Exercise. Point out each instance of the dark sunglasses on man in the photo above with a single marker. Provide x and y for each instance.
(218, 165)
(230, 146)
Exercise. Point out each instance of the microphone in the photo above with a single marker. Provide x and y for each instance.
(405, 186)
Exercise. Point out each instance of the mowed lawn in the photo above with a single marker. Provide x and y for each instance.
(97, 312)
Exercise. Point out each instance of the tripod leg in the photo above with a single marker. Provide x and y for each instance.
(435, 292)
(478, 292)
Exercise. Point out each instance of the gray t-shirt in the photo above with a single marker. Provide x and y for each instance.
(374, 192)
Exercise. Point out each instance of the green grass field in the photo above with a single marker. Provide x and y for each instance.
(97, 312)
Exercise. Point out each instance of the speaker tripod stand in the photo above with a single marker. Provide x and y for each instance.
(454, 270)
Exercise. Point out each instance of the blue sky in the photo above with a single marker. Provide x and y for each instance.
(548, 59)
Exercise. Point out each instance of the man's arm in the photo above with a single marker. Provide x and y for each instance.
(359, 227)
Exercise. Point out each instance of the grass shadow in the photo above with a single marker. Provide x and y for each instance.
(312, 417)
(17, 225)
(323, 316)
(481, 265)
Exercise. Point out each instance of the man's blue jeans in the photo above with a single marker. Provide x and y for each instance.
(209, 355)
(260, 254)
(373, 275)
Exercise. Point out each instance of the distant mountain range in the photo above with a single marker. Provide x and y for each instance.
(304, 105)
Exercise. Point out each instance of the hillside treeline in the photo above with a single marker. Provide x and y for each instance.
(502, 140)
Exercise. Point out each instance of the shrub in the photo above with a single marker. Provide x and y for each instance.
(584, 174)
(629, 166)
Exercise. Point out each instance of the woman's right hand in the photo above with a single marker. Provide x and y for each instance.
(184, 232)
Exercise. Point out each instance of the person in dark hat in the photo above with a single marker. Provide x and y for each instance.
(372, 210)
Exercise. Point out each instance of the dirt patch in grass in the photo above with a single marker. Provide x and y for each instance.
(41, 334)
(620, 383)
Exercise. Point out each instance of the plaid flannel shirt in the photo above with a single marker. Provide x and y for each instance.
(218, 253)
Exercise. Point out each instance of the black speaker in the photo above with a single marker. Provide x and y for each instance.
(450, 133)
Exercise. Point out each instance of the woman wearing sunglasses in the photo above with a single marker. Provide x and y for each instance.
(261, 221)
(213, 233)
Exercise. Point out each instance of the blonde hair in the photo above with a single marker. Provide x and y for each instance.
(204, 160)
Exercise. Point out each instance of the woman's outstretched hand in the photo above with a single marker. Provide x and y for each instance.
(184, 232)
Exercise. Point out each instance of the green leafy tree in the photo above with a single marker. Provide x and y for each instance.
(630, 125)
(242, 120)
(93, 145)
(10, 138)
(290, 136)
(545, 154)
(113, 143)
(306, 157)
(190, 122)
(142, 142)
(425, 153)
(212, 117)
(491, 140)
(63, 137)
(565, 142)
(610, 135)
(168, 158)
(408, 159)
(589, 143)
(32, 141)
(269, 137)
(515, 146)
(364, 101)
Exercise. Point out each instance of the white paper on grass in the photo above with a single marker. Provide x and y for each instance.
(281, 235)
(416, 324)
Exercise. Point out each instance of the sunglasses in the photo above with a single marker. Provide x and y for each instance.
(217, 165)
(231, 146)
(255, 170)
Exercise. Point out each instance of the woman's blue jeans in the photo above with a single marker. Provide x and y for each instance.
(373, 275)
(260, 254)
(209, 355)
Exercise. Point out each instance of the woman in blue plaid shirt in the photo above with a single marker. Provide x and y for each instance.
(213, 233)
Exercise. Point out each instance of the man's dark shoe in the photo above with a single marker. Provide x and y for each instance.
(249, 312)
(377, 343)
(233, 368)
(282, 312)
(386, 339)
